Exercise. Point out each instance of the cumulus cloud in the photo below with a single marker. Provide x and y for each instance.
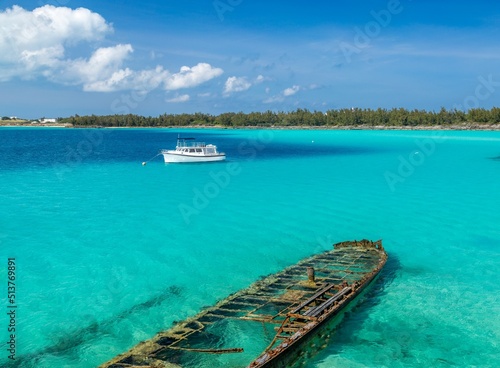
(205, 94)
(240, 84)
(285, 93)
(102, 68)
(49, 25)
(149, 79)
(45, 57)
(236, 84)
(314, 86)
(180, 98)
(291, 91)
(35, 43)
(192, 77)
(277, 98)
(259, 79)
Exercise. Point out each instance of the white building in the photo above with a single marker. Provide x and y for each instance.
(45, 121)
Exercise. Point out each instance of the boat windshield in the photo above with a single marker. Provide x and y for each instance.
(189, 142)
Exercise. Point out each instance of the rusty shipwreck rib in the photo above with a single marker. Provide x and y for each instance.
(296, 303)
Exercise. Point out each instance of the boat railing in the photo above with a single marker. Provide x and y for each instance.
(190, 144)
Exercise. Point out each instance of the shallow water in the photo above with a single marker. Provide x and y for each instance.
(108, 251)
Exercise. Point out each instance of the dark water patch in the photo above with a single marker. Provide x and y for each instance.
(67, 342)
(68, 148)
(414, 271)
(45, 147)
(497, 158)
(388, 274)
(247, 151)
(485, 243)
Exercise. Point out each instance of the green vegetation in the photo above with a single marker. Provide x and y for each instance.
(300, 117)
(5, 120)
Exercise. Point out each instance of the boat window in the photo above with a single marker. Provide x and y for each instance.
(191, 150)
(198, 150)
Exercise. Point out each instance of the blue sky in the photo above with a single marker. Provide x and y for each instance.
(64, 57)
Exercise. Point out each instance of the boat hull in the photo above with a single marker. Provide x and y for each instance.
(296, 306)
(291, 354)
(183, 158)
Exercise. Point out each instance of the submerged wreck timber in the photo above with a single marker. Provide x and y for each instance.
(275, 317)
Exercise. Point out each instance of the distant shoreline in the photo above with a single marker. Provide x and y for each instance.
(34, 126)
(469, 127)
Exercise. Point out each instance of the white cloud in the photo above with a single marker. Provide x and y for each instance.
(149, 79)
(192, 77)
(205, 94)
(102, 68)
(34, 44)
(235, 84)
(44, 57)
(314, 86)
(291, 91)
(278, 98)
(285, 93)
(240, 84)
(47, 26)
(260, 79)
(181, 98)
(117, 81)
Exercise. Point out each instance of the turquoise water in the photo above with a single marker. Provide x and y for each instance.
(109, 252)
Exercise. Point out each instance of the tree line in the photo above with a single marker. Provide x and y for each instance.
(301, 117)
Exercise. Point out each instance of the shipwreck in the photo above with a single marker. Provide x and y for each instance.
(270, 323)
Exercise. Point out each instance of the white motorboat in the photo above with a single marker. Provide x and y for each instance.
(189, 150)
